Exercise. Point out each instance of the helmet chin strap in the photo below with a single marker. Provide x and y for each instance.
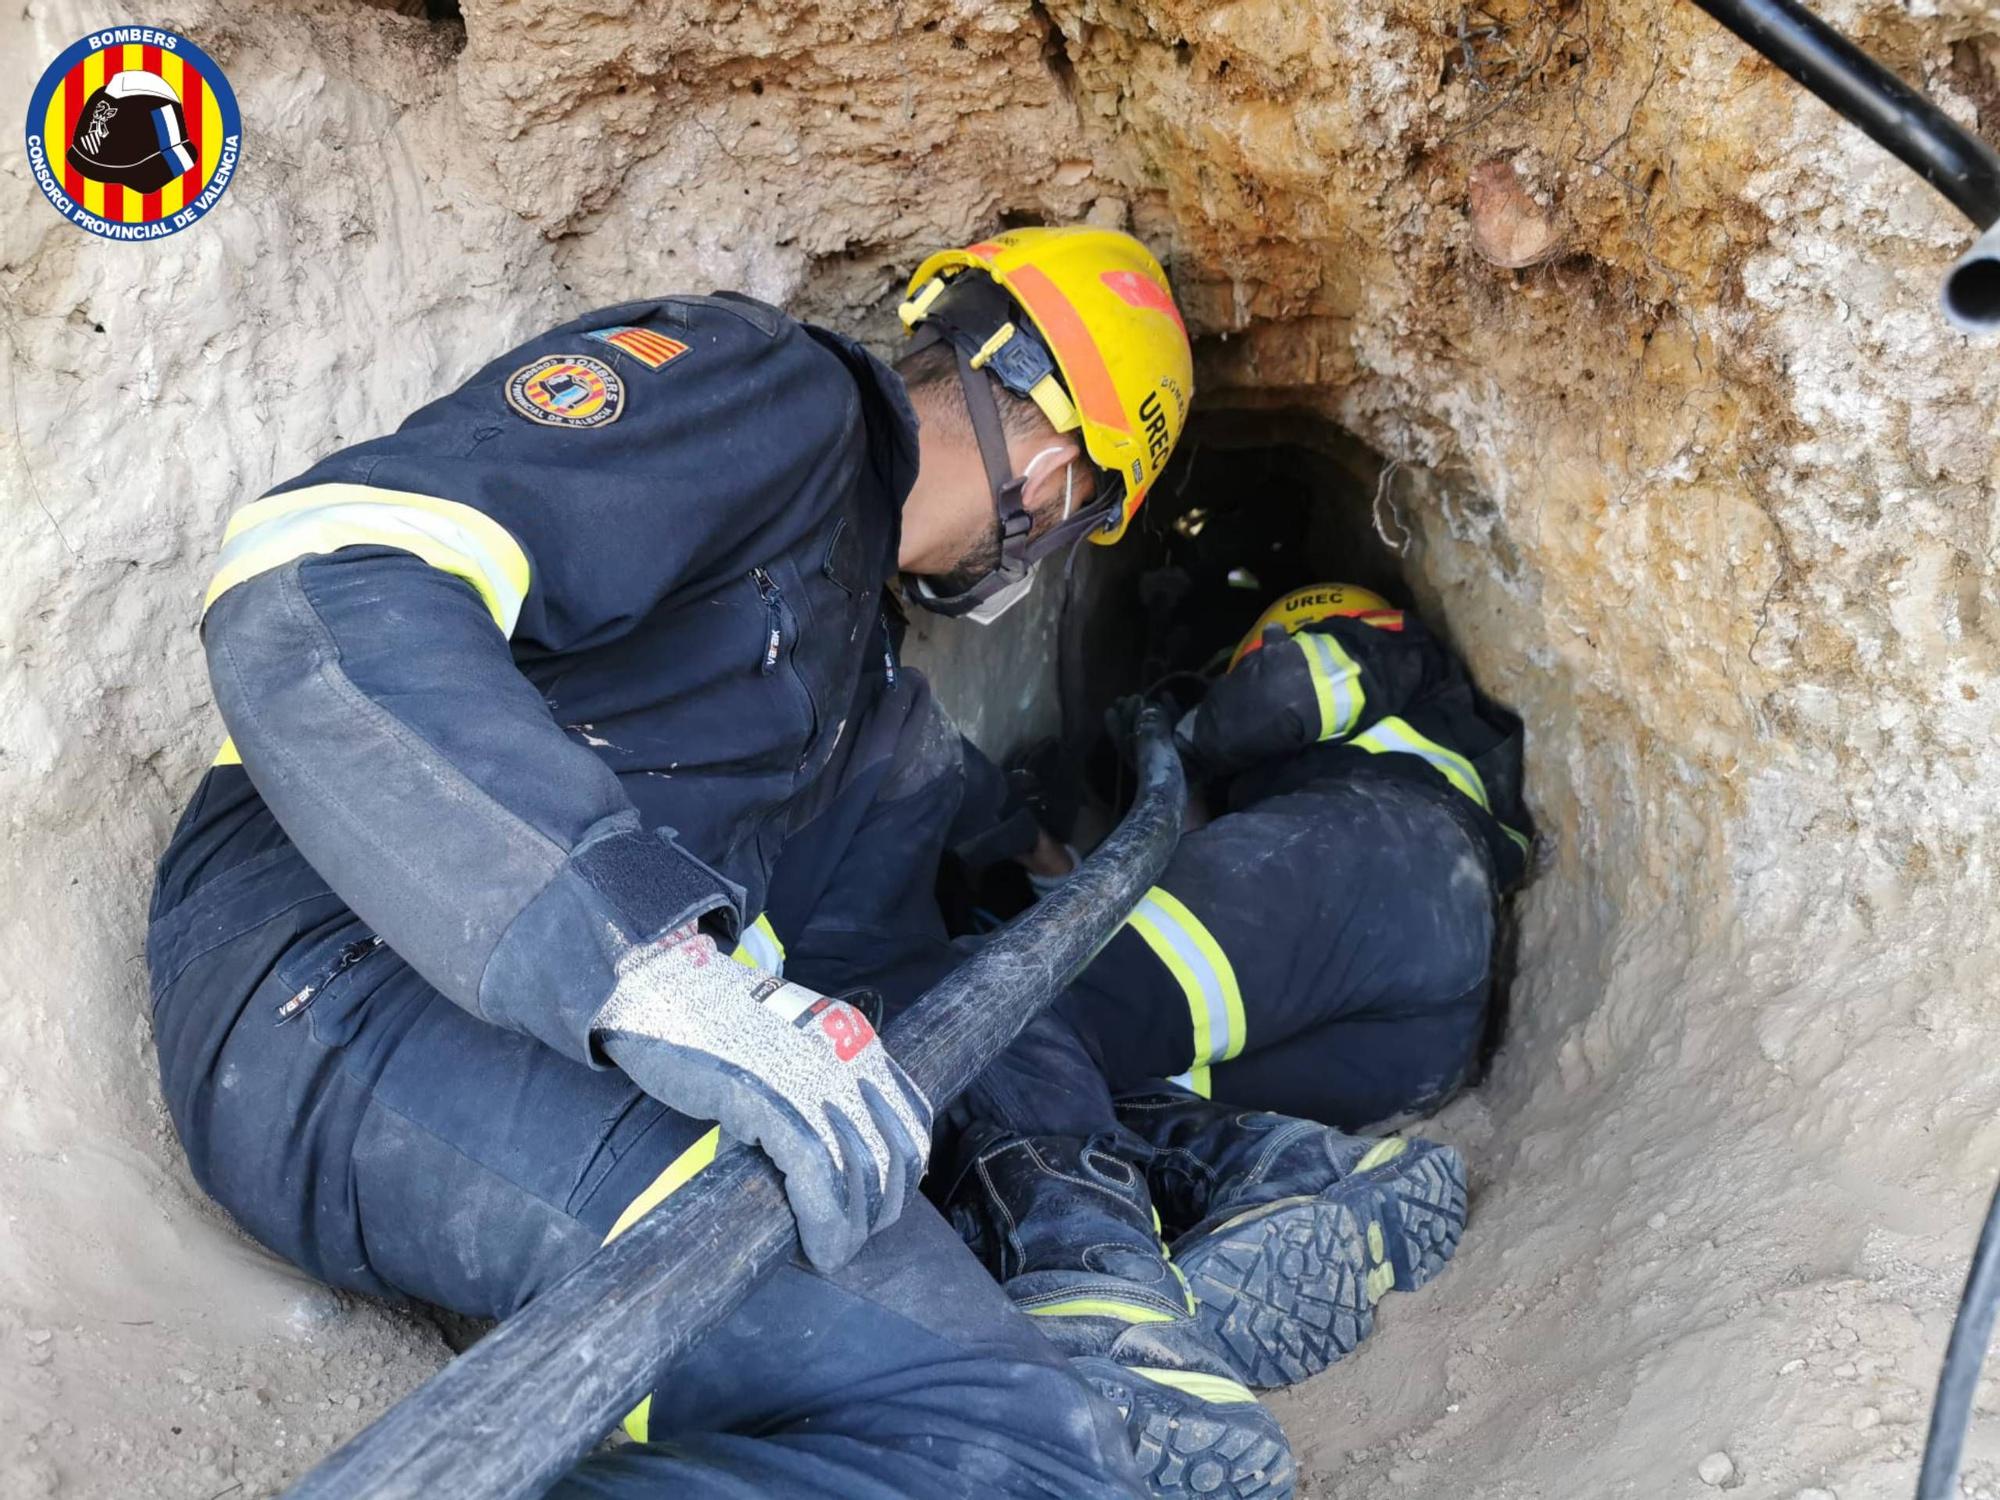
(1018, 554)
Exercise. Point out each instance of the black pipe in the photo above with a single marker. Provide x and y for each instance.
(1972, 285)
(511, 1415)
(1892, 114)
(1971, 1333)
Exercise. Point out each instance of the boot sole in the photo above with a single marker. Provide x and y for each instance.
(1290, 1287)
(1193, 1449)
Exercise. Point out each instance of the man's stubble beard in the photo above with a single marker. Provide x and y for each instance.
(980, 558)
(982, 555)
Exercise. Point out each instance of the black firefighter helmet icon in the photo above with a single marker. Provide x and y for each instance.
(132, 132)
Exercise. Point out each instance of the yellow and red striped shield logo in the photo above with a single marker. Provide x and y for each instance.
(133, 133)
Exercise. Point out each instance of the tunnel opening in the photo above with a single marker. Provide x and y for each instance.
(1257, 505)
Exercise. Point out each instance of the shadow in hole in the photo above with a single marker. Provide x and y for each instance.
(1254, 505)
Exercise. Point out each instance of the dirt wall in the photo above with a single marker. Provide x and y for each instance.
(1686, 457)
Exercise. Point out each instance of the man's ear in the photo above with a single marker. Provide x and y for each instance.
(1056, 464)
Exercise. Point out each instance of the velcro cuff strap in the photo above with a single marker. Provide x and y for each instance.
(553, 971)
(653, 884)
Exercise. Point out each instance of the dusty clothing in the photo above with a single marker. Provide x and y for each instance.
(1374, 690)
(526, 693)
(1324, 953)
(1324, 947)
(390, 1143)
(586, 649)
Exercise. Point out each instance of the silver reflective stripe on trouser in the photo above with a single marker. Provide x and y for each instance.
(1394, 736)
(759, 947)
(321, 518)
(1336, 680)
(1203, 971)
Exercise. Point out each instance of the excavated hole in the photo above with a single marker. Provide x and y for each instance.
(1256, 503)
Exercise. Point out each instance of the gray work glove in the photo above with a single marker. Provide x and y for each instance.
(803, 1076)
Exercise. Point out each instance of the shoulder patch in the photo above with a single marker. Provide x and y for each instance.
(567, 390)
(651, 349)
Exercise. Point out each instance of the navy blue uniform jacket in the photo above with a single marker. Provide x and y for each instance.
(556, 666)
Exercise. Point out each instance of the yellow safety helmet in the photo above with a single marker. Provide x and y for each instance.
(1320, 601)
(1098, 305)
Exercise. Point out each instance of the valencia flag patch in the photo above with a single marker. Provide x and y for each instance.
(651, 349)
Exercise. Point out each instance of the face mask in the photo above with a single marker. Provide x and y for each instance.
(1006, 599)
(993, 608)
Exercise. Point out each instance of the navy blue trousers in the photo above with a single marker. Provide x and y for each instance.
(1356, 918)
(387, 1141)
(1326, 953)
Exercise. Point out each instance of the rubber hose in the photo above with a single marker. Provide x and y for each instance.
(1893, 115)
(1964, 1357)
(514, 1413)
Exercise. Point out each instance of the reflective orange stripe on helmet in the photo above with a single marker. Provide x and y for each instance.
(1102, 305)
(1320, 601)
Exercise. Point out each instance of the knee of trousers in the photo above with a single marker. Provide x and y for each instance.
(378, 1137)
(1049, 1081)
(911, 1358)
(264, 1112)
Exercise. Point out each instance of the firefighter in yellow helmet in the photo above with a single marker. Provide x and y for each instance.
(1314, 960)
(574, 684)
(1063, 341)
(1061, 355)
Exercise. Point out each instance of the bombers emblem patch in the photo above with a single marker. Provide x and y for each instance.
(133, 133)
(567, 390)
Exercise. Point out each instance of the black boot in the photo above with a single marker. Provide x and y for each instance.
(1067, 1228)
(1290, 1232)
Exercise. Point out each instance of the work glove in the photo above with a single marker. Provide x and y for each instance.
(803, 1076)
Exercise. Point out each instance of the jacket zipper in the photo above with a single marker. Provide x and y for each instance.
(774, 618)
(774, 644)
(351, 955)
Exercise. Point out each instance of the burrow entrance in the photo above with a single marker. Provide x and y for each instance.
(1255, 505)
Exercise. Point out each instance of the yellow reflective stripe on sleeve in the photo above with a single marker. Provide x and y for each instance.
(759, 947)
(1200, 967)
(451, 537)
(679, 1172)
(226, 756)
(1525, 844)
(1336, 680)
(1100, 1307)
(1195, 1081)
(1392, 735)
